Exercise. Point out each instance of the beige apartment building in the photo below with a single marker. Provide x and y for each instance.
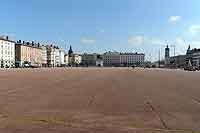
(28, 54)
(66, 59)
(74, 60)
(77, 59)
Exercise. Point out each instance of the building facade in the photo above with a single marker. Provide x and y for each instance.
(44, 56)
(111, 59)
(66, 60)
(7, 52)
(53, 58)
(130, 59)
(76, 59)
(57, 56)
(178, 61)
(193, 56)
(89, 59)
(62, 57)
(123, 59)
(28, 54)
(99, 61)
(174, 61)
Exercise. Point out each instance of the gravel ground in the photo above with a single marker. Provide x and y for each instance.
(99, 100)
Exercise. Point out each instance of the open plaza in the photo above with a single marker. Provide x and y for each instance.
(99, 100)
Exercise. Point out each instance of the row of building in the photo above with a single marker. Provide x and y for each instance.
(115, 59)
(108, 59)
(192, 57)
(26, 54)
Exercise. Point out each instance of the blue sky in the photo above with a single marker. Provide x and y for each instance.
(102, 25)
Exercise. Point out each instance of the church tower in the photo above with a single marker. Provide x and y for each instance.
(70, 52)
(188, 50)
(167, 52)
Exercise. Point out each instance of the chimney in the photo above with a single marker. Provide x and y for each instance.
(7, 38)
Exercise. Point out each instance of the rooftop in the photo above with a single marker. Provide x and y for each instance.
(6, 39)
(195, 50)
(52, 46)
(132, 53)
(117, 53)
(29, 44)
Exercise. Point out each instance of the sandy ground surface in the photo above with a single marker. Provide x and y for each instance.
(99, 100)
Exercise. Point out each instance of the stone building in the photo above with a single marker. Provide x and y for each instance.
(193, 56)
(66, 60)
(89, 59)
(178, 61)
(73, 58)
(76, 59)
(28, 54)
(44, 56)
(123, 59)
(99, 60)
(61, 58)
(53, 59)
(130, 59)
(7, 52)
(111, 59)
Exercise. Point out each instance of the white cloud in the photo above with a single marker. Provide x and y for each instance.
(136, 40)
(180, 41)
(194, 29)
(174, 19)
(156, 41)
(87, 41)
